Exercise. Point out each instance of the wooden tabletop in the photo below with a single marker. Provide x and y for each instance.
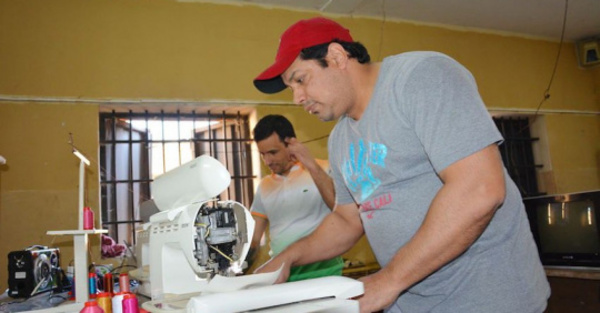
(590, 273)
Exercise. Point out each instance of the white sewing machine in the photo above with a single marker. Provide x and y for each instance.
(194, 248)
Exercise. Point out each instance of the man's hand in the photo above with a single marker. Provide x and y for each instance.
(379, 292)
(299, 152)
(324, 182)
(272, 266)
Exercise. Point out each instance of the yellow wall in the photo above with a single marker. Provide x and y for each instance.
(169, 50)
(575, 149)
(39, 183)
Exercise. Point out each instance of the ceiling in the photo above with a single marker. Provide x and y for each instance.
(536, 18)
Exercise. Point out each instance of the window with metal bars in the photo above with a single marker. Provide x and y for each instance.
(517, 153)
(136, 147)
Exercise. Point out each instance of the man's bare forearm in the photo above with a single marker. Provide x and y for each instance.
(324, 184)
(322, 180)
(338, 232)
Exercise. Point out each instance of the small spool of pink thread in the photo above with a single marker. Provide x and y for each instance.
(130, 304)
(124, 282)
(91, 307)
(88, 218)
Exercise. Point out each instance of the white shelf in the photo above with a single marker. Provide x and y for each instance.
(76, 232)
(80, 249)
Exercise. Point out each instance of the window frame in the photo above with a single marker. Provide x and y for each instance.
(228, 140)
(517, 152)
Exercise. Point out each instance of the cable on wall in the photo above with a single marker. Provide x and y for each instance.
(562, 36)
(382, 28)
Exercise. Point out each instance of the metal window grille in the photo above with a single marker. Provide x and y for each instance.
(517, 153)
(137, 147)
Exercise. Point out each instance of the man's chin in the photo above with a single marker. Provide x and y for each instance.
(323, 118)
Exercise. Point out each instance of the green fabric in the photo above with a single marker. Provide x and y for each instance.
(319, 269)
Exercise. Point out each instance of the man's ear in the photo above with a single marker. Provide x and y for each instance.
(336, 54)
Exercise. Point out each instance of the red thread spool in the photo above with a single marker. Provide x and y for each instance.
(91, 307)
(108, 283)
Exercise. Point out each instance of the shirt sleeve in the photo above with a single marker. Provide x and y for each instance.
(257, 208)
(443, 105)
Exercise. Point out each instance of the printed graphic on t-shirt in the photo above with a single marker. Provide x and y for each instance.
(357, 169)
(375, 204)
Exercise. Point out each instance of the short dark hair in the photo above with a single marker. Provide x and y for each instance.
(354, 49)
(273, 123)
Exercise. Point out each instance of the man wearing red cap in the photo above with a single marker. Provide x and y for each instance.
(416, 168)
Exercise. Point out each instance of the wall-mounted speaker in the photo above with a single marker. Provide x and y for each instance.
(588, 51)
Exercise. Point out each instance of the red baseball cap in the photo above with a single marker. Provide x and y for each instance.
(303, 34)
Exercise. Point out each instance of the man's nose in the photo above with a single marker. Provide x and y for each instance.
(267, 160)
(299, 97)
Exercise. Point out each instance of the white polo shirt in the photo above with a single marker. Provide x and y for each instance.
(292, 204)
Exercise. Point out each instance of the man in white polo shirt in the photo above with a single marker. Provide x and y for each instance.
(294, 199)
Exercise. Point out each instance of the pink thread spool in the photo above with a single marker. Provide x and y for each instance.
(130, 304)
(88, 218)
(124, 282)
(91, 307)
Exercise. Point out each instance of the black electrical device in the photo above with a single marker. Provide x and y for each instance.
(33, 270)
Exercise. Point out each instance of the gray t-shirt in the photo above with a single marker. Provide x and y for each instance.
(424, 115)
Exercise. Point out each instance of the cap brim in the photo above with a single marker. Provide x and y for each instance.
(273, 85)
(270, 80)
